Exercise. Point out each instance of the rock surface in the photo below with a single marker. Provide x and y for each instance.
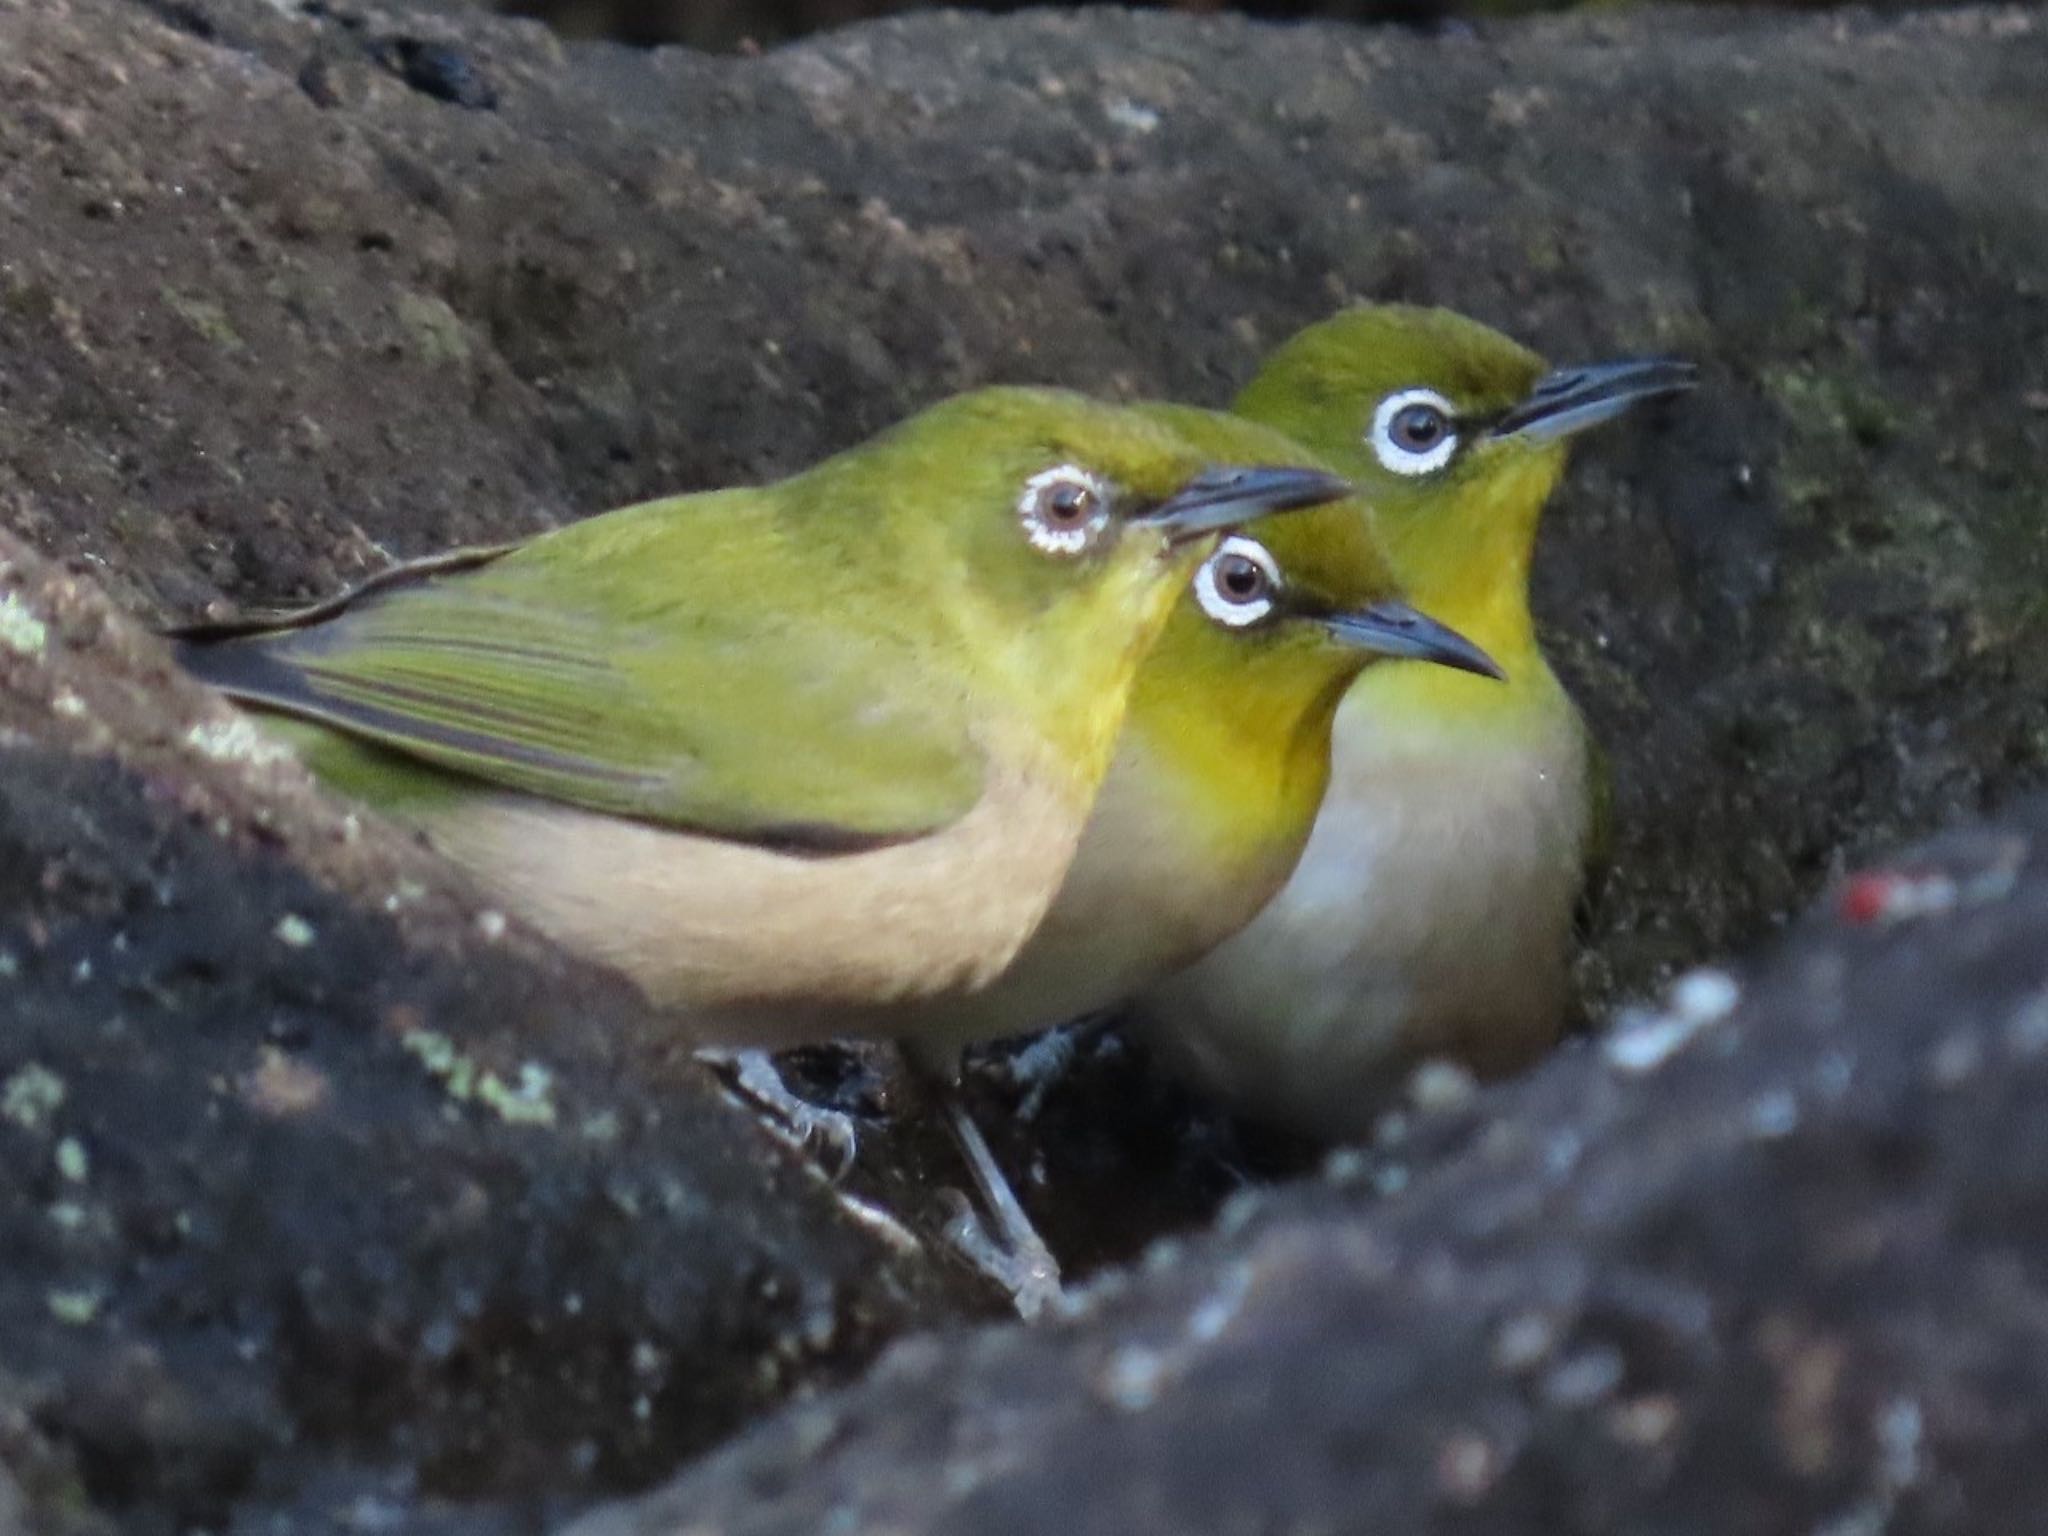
(324, 1184)
(1767, 1260)
(285, 291)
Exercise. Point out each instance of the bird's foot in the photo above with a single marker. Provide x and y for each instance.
(1014, 1256)
(830, 1136)
(1027, 1271)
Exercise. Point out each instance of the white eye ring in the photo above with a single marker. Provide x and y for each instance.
(1230, 611)
(1401, 458)
(1046, 521)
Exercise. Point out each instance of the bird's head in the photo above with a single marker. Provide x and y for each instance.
(1047, 507)
(1455, 433)
(1280, 617)
(1052, 531)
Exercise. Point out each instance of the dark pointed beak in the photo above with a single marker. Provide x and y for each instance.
(1230, 494)
(1395, 629)
(1570, 400)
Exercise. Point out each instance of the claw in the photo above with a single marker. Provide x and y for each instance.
(1017, 1258)
(1030, 1275)
(829, 1136)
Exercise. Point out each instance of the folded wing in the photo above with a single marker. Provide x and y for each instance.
(670, 697)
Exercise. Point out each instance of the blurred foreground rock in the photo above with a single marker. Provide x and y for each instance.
(329, 1214)
(1767, 1260)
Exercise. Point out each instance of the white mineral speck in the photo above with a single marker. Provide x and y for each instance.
(21, 630)
(1705, 995)
(1524, 1340)
(234, 740)
(1438, 1087)
(1956, 1060)
(1644, 1040)
(72, 1162)
(1132, 115)
(31, 1096)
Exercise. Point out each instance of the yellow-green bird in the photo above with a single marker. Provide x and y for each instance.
(1226, 747)
(1431, 911)
(805, 760)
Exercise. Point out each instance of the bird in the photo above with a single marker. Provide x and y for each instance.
(802, 761)
(1430, 914)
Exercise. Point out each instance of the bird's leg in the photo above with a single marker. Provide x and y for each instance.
(808, 1127)
(1015, 1257)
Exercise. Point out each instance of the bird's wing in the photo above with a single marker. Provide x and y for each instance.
(701, 708)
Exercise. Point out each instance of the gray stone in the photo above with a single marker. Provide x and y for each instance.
(1768, 1259)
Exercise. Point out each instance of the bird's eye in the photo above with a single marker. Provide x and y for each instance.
(1414, 432)
(1065, 510)
(1239, 584)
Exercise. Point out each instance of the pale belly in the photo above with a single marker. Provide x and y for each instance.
(754, 947)
(1145, 895)
(1430, 915)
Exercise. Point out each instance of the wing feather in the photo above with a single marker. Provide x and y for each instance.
(724, 716)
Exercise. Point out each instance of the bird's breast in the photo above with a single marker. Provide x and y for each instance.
(1155, 883)
(1429, 914)
(1438, 885)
